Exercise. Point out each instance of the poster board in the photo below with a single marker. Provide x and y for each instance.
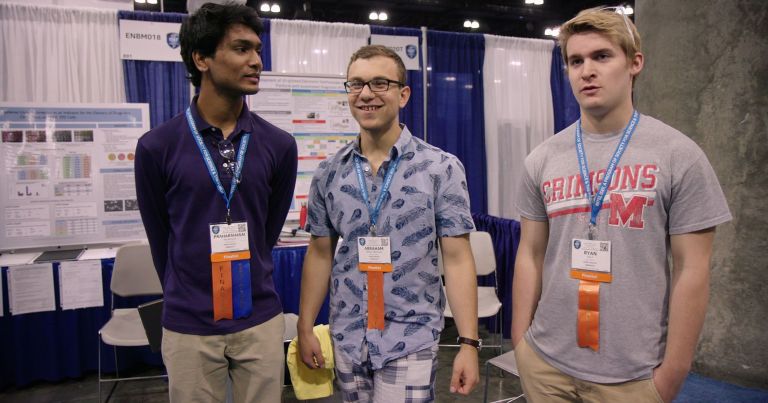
(315, 110)
(67, 174)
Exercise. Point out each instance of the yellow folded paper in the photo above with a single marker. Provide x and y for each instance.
(312, 383)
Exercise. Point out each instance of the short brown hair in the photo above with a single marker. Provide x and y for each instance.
(371, 51)
(605, 21)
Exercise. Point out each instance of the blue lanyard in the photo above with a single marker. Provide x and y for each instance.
(212, 171)
(374, 212)
(596, 202)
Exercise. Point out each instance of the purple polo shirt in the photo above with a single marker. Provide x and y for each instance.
(178, 201)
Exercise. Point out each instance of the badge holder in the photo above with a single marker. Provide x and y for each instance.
(591, 265)
(230, 271)
(375, 259)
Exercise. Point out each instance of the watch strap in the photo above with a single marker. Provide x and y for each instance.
(472, 342)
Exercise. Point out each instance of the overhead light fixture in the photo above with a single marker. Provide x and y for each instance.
(534, 2)
(475, 25)
(152, 1)
(378, 16)
(266, 8)
(626, 10)
(554, 31)
(471, 24)
(467, 24)
(140, 1)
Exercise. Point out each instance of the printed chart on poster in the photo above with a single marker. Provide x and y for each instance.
(315, 110)
(67, 174)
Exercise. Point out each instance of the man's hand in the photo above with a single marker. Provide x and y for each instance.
(466, 371)
(311, 353)
(668, 382)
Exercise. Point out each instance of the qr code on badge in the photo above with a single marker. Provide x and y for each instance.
(385, 242)
(603, 246)
(241, 227)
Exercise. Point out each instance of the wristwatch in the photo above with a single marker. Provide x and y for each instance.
(478, 344)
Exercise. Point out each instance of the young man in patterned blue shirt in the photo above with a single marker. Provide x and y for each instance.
(390, 197)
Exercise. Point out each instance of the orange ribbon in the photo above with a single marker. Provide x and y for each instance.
(375, 300)
(222, 289)
(588, 320)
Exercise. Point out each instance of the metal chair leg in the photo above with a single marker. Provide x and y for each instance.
(485, 390)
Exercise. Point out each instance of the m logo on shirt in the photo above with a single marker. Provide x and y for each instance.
(628, 214)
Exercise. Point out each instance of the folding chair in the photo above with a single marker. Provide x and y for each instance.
(133, 275)
(505, 362)
(488, 304)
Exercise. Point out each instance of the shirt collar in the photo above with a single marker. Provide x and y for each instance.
(244, 122)
(398, 148)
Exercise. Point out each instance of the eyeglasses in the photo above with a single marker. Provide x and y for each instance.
(376, 85)
(227, 151)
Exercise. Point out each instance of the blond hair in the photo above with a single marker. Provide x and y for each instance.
(605, 21)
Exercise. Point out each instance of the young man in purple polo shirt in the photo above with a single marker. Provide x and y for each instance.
(391, 197)
(214, 185)
(598, 313)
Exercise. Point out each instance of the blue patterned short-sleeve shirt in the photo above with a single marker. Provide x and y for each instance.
(427, 199)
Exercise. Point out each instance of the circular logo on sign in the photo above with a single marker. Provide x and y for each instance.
(410, 51)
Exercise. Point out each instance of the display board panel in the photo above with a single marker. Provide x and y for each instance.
(67, 174)
(315, 110)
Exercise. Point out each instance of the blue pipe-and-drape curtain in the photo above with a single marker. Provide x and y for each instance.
(455, 113)
(163, 85)
(563, 102)
(413, 113)
(266, 46)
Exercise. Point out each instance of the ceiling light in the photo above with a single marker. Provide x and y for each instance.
(538, 2)
(529, 1)
(141, 1)
(275, 8)
(152, 1)
(264, 7)
(373, 16)
(467, 24)
(383, 16)
(475, 25)
(555, 31)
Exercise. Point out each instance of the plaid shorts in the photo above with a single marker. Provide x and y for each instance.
(410, 379)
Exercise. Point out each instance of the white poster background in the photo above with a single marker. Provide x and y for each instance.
(407, 47)
(66, 174)
(80, 284)
(30, 288)
(315, 110)
(147, 40)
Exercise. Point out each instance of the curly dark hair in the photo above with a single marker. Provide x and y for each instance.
(202, 31)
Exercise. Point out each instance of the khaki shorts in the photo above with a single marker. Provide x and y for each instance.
(545, 383)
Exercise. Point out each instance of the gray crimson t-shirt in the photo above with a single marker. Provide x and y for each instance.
(663, 185)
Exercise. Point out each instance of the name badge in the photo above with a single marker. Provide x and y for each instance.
(230, 271)
(229, 237)
(591, 260)
(374, 254)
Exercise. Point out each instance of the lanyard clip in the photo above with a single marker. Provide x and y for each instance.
(229, 218)
(592, 232)
(373, 229)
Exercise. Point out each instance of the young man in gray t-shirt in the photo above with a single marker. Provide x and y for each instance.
(598, 313)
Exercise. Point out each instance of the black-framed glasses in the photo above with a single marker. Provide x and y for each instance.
(227, 151)
(376, 85)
